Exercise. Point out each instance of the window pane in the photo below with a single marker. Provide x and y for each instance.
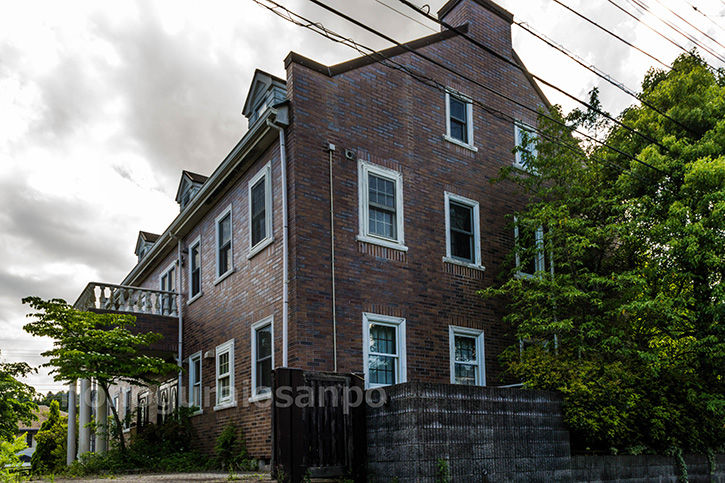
(465, 374)
(223, 362)
(382, 223)
(196, 395)
(264, 342)
(259, 227)
(381, 191)
(196, 373)
(224, 387)
(465, 349)
(224, 259)
(382, 339)
(459, 131)
(264, 374)
(458, 109)
(195, 282)
(381, 370)
(462, 246)
(225, 230)
(461, 217)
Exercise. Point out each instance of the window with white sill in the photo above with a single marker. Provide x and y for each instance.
(225, 374)
(262, 351)
(381, 206)
(195, 268)
(525, 137)
(384, 355)
(459, 119)
(463, 231)
(194, 381)
(260, 209)
(224, 243)
(467, 356)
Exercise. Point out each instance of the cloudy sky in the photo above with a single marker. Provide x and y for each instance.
(102, 104)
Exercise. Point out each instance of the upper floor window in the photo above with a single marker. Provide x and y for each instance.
(262, 357)
(463, 232)
(260, 210)
(195, 269)
(381, 206)
(467, 361)
(384, 354)
(224, 263)
(529, 248)
(167, 283)
(459, 120)
(225, 375)
(525, 146)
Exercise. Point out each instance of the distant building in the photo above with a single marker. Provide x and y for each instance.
(31, 430)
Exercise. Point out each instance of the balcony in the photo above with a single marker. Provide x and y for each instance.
(155, 310)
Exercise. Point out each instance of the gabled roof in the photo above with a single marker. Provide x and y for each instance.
(261, 81)
(186, 177)
(145, 237)
(349, 65)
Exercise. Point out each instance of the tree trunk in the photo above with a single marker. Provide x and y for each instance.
(119, 428)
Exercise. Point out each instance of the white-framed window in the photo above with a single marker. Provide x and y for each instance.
(224, 244)
(195, 269)
(468, 364)
(463, 230)
(167, 283)
(384, 357)
(459, 119)
(195, 368)
(529, 249)
(262, 357)
(260, 210)
(225, 396)
(115, 404)
(525, 137)
(380, 201)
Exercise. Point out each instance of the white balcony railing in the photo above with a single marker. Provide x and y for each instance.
(123, 298)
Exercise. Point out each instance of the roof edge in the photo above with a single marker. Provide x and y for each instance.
(487, 4)
(341, 68)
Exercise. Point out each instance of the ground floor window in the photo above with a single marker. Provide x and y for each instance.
(383, 350)
(195, 380)
(467, 361)
(225, 374)
(262, 357)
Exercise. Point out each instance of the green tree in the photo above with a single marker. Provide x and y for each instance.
(9, 459)
(16, 398)
(629, 325)
(96, 346)
(50, 451)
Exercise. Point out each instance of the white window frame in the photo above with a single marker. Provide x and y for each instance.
(266, 173)
(474, 205)
(126, 422)
(192, 358)
(257, 396)
(165, 272)
(518, 161)
(399, 324)
(364, 170)
(469, 120)
(194, 244)
(231, 400)
(539, 261)
(230, 270)
(453, 331)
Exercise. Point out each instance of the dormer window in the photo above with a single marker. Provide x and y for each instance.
(189, 186)
(144, 243)
(267, 91)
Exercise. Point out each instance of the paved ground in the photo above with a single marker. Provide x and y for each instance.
(174, 477)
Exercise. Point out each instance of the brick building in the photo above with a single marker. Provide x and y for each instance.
(245, 271)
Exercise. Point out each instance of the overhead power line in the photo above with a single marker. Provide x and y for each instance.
(536, 77)
(405, 15)
(318, 28)
(706, 15)
(676, 29)
(690, 24)
(621, 39)
(595, 70)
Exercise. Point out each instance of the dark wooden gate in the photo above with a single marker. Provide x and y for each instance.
(316, 432)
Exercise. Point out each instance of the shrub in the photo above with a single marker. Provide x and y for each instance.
(50, 452)
(9, 459)
(231, 450)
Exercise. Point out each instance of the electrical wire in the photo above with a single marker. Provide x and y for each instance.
(378, 57)
(406, 15)
(688, 23)
(677, 30)
(705, 15)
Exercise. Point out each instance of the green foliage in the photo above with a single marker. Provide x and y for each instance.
(162, 448)
(443, 472)
(95, 346)
(231, 450)
(60, 396)
(50, 451)
(16, 402)
(9, 459)
(630, 325)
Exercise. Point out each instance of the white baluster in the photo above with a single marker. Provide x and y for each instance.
(157, 303)
(172, 300)
(103, 301)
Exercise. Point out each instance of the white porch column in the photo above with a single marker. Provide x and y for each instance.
(71, 448)
(84, 417)
(101, 420)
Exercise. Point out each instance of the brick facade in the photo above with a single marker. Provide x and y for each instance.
(388, 119)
